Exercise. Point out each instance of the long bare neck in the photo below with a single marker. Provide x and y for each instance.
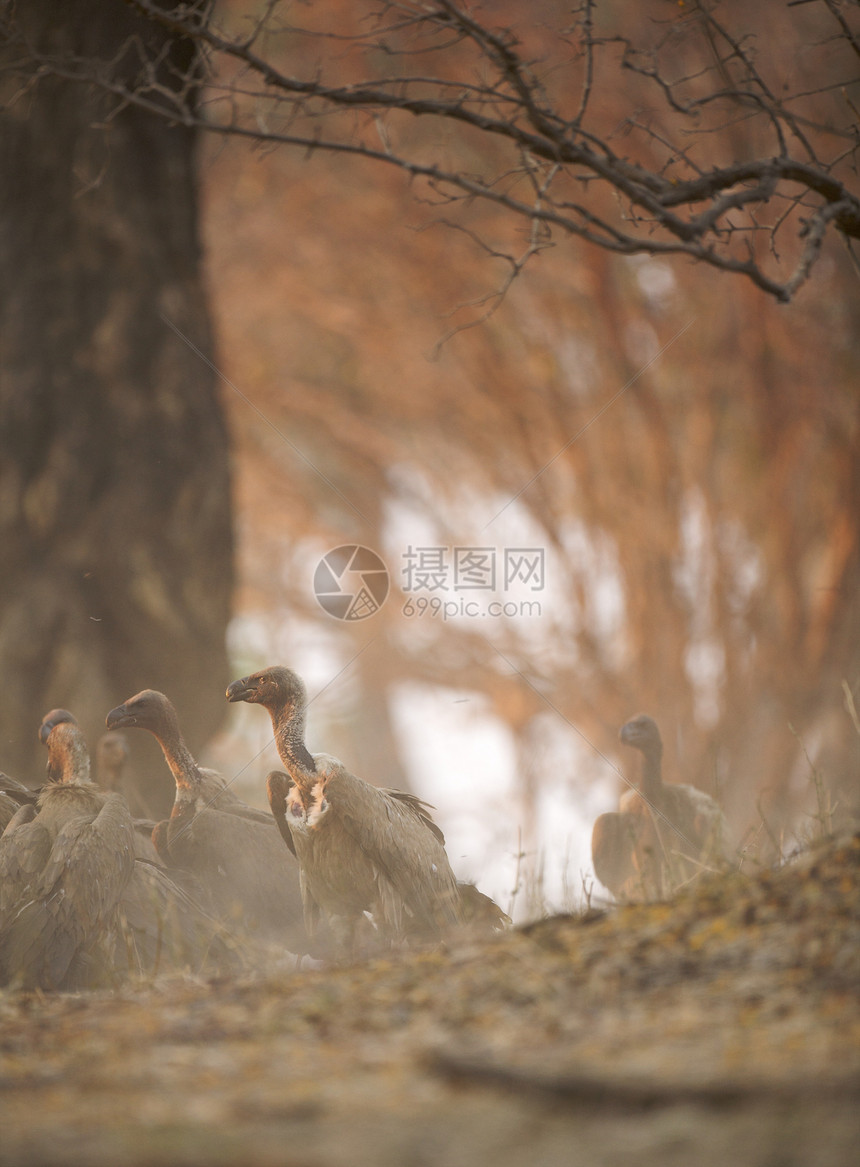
(289, 726)
(182, 765)
(68, 757)
(652, 772)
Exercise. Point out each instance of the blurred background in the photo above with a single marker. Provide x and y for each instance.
(677, 451)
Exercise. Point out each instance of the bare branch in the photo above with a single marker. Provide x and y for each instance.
(673, 193)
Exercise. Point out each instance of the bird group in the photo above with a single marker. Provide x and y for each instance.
(89, 894)
(340, 868)
(83, 900)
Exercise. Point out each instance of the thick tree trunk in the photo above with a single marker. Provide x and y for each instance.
(114, 486)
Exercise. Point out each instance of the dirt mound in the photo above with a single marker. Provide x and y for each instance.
(720, 1027)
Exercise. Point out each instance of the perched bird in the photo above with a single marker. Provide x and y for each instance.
(663, 834)
(77, 910)
(361, 849)
(231, 847)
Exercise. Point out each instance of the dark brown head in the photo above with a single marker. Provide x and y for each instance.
(68, 756)
(148, 709)
(642, 734)
(55, 717)
(274, 688)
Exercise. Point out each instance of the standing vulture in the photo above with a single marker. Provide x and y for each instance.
(361, 849)
(663, 834)
(231, 847)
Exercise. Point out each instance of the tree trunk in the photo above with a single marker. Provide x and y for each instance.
(114, 478)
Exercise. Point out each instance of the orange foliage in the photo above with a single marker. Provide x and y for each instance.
(718, 494)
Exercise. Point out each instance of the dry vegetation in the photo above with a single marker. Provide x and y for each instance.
(721, 1027)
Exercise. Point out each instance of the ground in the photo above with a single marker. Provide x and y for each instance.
(720, 1028)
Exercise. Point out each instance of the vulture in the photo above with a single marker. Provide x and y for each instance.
(111, 756)
(109, 764)
(232, 848)
(663, 834)
(77, 909)
(361, 849)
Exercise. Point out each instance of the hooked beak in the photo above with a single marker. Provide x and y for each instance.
(120, 718)
(241, 690)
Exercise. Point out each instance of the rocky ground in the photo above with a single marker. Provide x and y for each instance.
(721, 1028)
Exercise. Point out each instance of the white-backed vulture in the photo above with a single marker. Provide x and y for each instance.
(663, 834)
(233, 848)
(361, 849)
(77, 910)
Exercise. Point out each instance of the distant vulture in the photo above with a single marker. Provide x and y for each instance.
(663, 834)
(361, 849)
(111, 757)
(77, 910)
(231, 847)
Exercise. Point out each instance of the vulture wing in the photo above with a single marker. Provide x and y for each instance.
(69, 904)
(24, 849)
(393, 832)
(613, 843)
(215, 794)
(163, 928)
(251, 877)
(278, 785)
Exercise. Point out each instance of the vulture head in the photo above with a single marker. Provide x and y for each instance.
(68, 756)
(55, 717)
(146, 710)
(642, 734)
(273, 688)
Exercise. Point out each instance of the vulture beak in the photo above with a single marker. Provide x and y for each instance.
(241, 690)
(119, 718)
